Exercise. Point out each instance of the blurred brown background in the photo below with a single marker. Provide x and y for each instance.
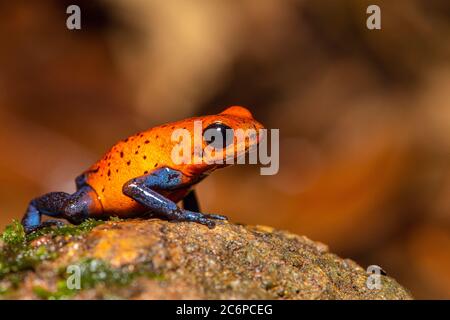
(364, 116)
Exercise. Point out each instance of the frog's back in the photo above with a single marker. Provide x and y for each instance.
(135, 156)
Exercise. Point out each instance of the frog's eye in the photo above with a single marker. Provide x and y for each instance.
(218, 135)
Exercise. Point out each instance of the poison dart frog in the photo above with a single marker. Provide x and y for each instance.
(138, 177)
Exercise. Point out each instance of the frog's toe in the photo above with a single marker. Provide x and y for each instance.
(52, 222)
(205, 219)
(45, 224)
(207, 222)
(215, 216)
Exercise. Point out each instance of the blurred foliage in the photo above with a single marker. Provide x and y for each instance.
(364, 115)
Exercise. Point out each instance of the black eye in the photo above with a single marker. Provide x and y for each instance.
(218, 135)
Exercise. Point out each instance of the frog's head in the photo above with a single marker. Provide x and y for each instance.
(225, 137)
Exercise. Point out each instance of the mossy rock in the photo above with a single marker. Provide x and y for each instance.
(155, 259)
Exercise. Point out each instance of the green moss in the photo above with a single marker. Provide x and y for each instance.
(11, 282)
(44, 293)
(95, 271)
(14, 234)
(16, 255)
(115, 219)
(92, 272)
(65, 230)
(12, 261)
(62, 292)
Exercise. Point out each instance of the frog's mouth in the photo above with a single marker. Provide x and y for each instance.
(231, 158)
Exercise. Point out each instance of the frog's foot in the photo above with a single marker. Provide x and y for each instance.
(45, 224)
(202, 218)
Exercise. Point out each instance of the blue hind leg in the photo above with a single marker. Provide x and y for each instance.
(50, 204)
(73, 207)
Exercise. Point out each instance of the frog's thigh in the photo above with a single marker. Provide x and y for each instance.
(81, 205)
(73, 207)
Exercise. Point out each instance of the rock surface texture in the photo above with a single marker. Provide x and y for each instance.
(154, 259)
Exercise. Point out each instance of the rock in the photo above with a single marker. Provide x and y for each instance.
(155, 259)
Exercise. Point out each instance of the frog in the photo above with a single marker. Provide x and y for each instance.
(138, 177)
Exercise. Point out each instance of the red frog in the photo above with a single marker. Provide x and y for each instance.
(138, 176)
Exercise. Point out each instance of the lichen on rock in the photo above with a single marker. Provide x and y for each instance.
(155, 259)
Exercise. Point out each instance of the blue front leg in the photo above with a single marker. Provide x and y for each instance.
(143, 190)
